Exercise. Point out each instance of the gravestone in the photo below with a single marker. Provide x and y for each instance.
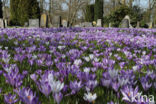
(138, 24)
(99, 23)
(125, 23)
(26, 24)
(77, 26)
(86, 24)
(34, 23)
(56, 21)
(1, 23)
(150, 25)
(110, 25)
(64, 23)
(6, 23)
(43, 21)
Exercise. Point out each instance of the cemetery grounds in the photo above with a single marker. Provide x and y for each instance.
(77, 66)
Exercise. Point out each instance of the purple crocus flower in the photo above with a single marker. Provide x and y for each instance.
(10, 99)
(0, 90)
(34, 77)
(130, 95)
(111, 102)
(27, 96)
(14, 78)
(115, 86)
(58, 97)
(106, 82)
(42, 83)
(91, 84)
(45, 88)
(1, 72)
(145, 83)
(75, 86)
(154, 85)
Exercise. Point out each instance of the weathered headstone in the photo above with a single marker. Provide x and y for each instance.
(77, 26)
(110, 25)
(34, 23)
(151, 25)
(26, 24)
(86, 24)
(43, 21)
(125, 23)
(138, 24)
(99, 23)
(6, 23)
(1, 23)
(56, 21)
(64, 23)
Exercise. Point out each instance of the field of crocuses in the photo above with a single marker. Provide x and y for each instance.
(78, 66)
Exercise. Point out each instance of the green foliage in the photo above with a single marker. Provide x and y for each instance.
(143, 24)
(22, 10)
(13, 10)
(34, 10)
(1, 12)
(136, 15)
(116, 16)
(89, 13)
(98, 10)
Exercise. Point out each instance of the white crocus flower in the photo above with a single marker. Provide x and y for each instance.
(50, 77)
(96, 59)
(113, 73)
(90, 97)
(6, 48)
(87, 59)
(135, 68)
(61, 47)
(63, 56)
(144, 52)
(34, 57)
(91, 56)
(77, 62)
(7, 69)
(87, 70)
(56, 86)
(6, 59)
(110, 54)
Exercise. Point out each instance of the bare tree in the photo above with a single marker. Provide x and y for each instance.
(4, 4)
(73, 8)
(152, 4)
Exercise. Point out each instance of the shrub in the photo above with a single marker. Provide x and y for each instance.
(89, 13)
(98, 10)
